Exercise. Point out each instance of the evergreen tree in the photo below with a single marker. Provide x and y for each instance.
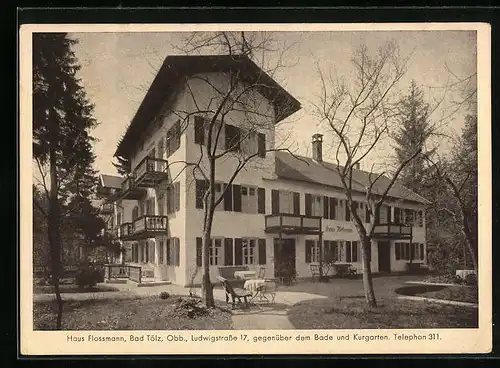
(62, 145)
(414, 129)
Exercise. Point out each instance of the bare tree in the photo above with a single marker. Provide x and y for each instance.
(232, 94)
(359, 117)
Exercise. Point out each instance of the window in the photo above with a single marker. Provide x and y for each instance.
(408, 216)
(232, 138)
(248, 251)
(285, 202)
(135, 213)
(402, 251)
(161, 252)
(316, 205)
(250, 144)
(202, 129)
(118, 218)
(150, 206)
(330, 251)
(420, 218)
(173, 138)
(173, 197)
(248, 199)
(173, 251)
(215, 252)
(351, 251)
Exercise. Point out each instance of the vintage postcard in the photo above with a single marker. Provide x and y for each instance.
(255, 189)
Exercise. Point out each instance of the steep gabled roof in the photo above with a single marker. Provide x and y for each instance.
(305, 169)
(175, 68)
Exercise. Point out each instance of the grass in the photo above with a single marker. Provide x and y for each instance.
(71, 288)
(151, 313)
(454, 293)
(353, 313)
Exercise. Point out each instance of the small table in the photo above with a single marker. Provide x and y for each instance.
(259, 287)
(245, 275)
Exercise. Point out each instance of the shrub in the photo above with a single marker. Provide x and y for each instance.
(164, 295)
(470, 279)
(191, 308)
(88, 276)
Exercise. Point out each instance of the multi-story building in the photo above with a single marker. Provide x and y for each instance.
(275, 212)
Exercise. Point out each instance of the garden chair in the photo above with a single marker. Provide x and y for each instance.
(235, 294)
(262, 273)
(314, 271)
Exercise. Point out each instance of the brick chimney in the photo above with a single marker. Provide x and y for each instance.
(317, 147)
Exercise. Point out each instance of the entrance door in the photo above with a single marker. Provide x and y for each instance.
(284, 258)
(384, 256)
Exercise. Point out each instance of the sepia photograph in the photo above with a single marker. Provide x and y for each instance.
(231, 178)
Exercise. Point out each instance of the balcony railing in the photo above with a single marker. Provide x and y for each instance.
(144, 227)
(117, 271)
(293, 224)
(392, 231)
(125, 230)
(150, 171)
(129, 190)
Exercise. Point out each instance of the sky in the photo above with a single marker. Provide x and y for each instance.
(117, 69)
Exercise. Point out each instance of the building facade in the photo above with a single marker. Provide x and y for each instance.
(279, 213)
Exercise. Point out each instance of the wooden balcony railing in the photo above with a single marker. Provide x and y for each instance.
(292, 224)
(129, 190)
(150, 223)
(150, 171)
(125, 230)
(392, 231)
(118, 271)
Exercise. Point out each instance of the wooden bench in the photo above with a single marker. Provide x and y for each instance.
(236, 294)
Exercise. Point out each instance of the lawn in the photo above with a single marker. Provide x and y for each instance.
(72, 288)
(151, 313)
(352, 313)
(455, 293)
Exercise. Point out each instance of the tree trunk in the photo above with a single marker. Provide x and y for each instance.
(206, 285)
(54, 235)
(469, 240)
(367, 273)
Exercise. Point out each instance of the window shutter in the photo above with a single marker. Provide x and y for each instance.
(333, 208)
(262, 252)
(309, 245)
(177, 251)
(421, 252)
(237, 198)
(335, 250)
(262, 145)
(308, 201)
(407, 250)
(275, 201)
(354, 251)
(367, 213)
(177, 135)
(199, 251)
(199, 130)
(398, 251)
(326, 208)
(177, 192)
(296, 203)
(228, 197)
(261, 200)
(146, 257)
(232, 138)
(348, 251)
(238, 252)
(228, 252)
(200, 191)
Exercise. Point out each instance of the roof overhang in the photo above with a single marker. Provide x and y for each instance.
(175, 68)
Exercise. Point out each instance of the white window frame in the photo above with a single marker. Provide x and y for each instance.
(249, 252)
(315, 252)
(249, 202)
(283, 194)
(215, 251)
(317, 205)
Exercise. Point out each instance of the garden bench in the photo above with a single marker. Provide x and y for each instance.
(228, 273)
(236, 294)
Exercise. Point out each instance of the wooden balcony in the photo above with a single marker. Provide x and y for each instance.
(392, 231)
(125, 230)
(147, 226)
(106, 208)
(130, 190)
(293, 224)
(150, 171)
